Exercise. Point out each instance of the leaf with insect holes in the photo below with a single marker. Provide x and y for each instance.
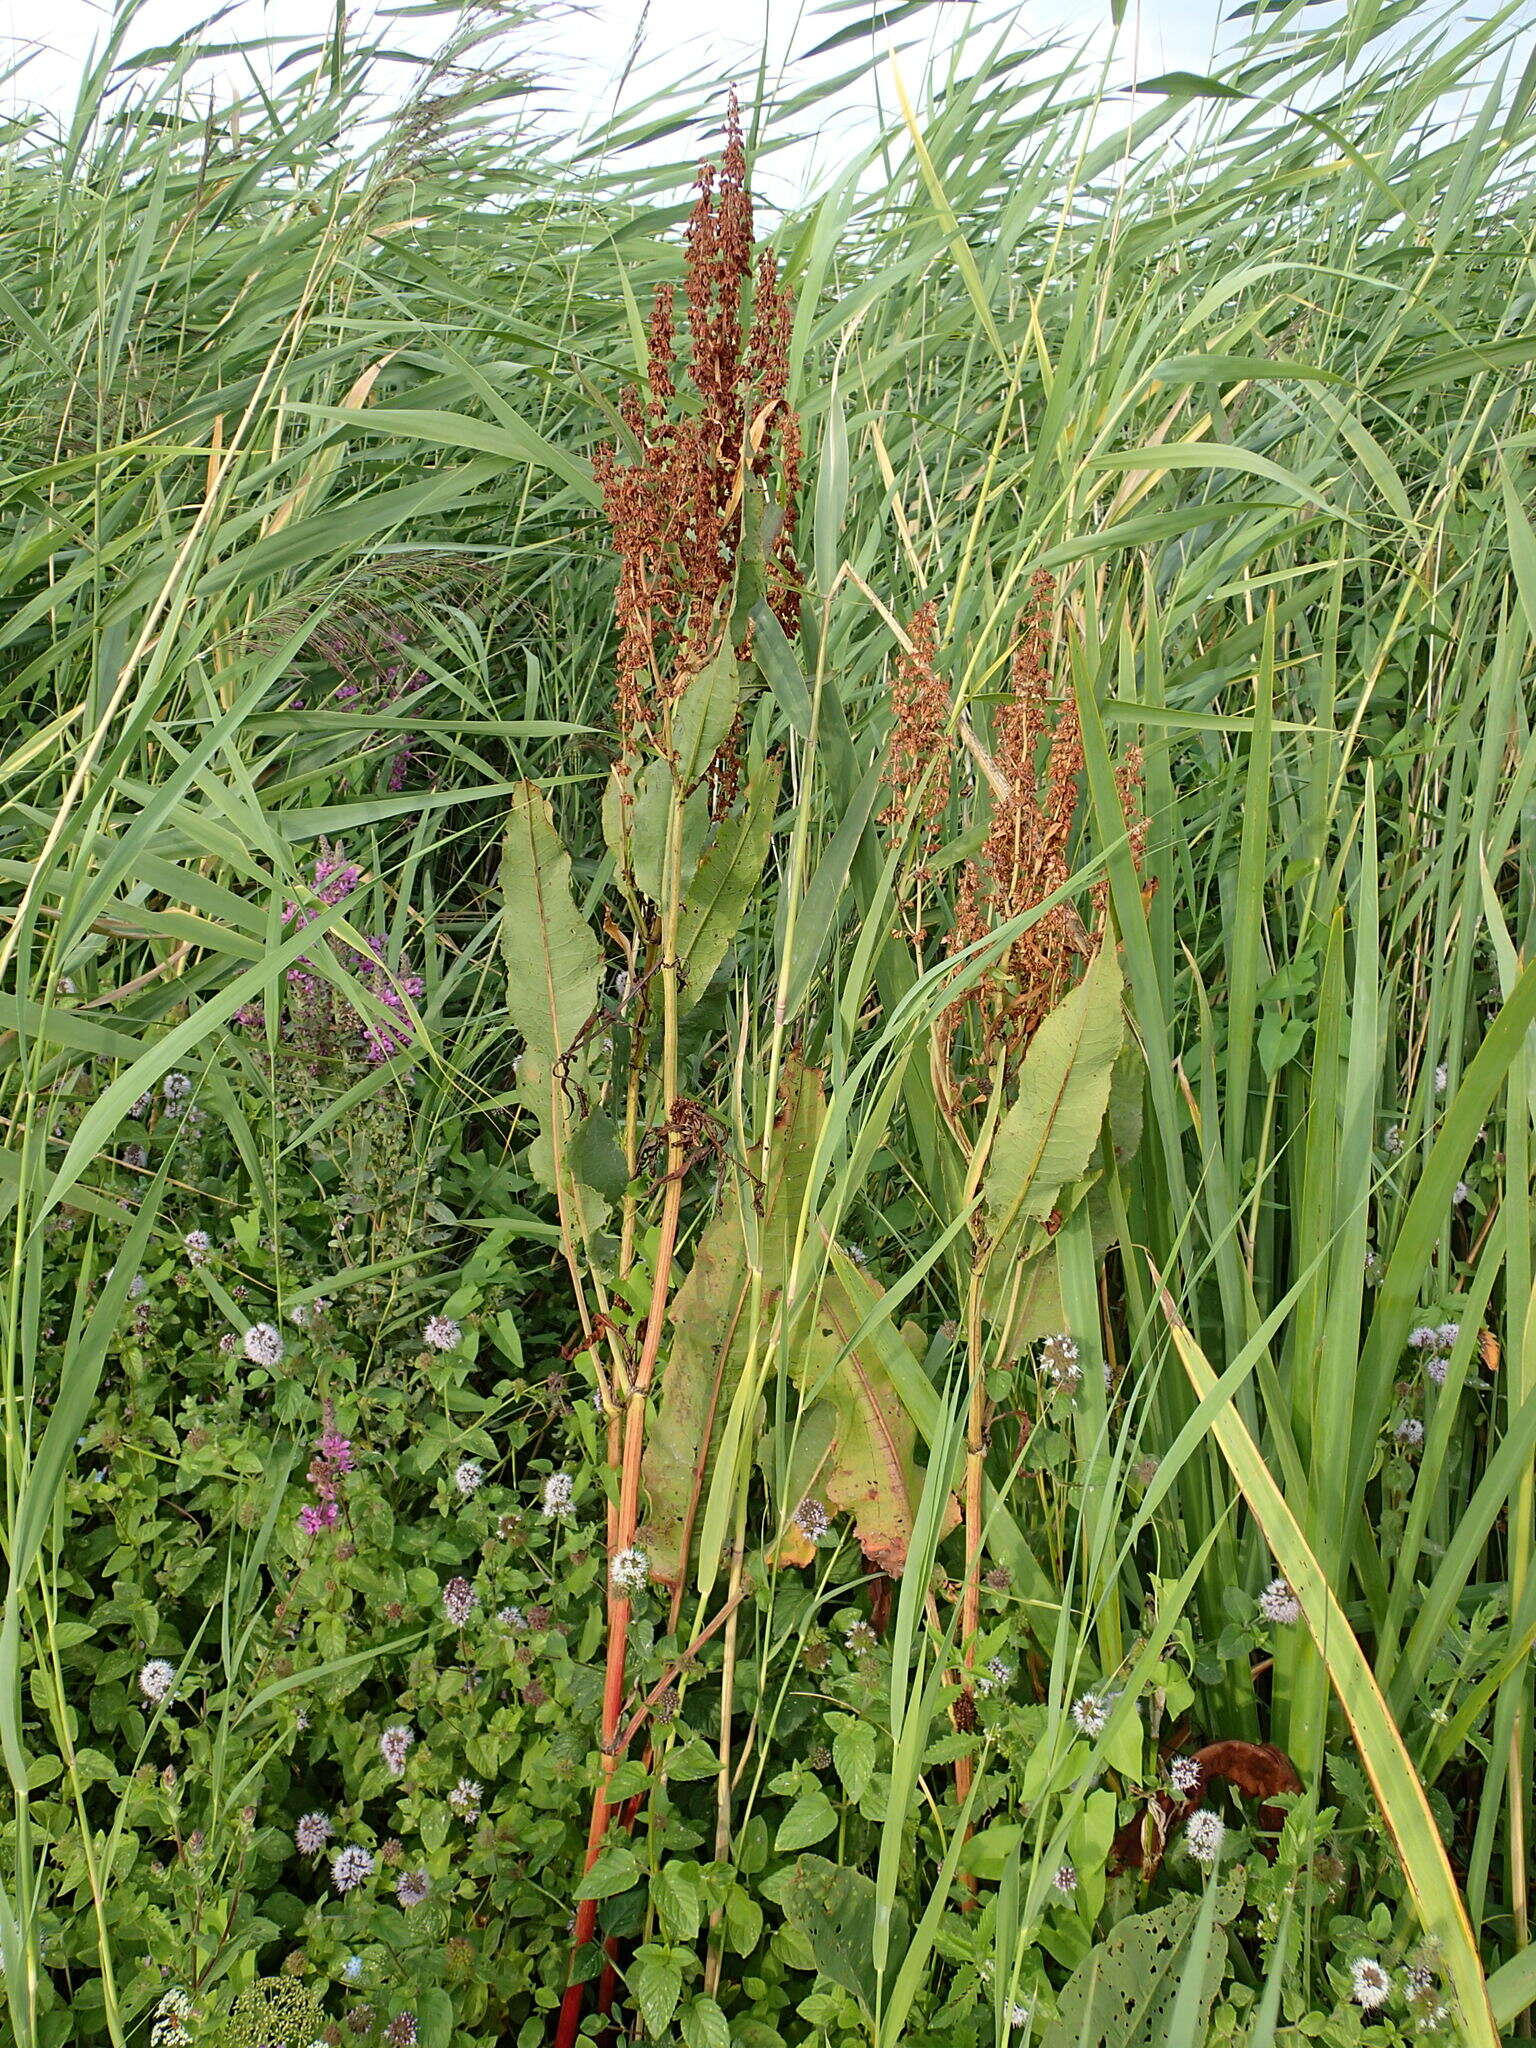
(553, 959)
(1124, 1989)
(1048, 1136)
(834, 1908)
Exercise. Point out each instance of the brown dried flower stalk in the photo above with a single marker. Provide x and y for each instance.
(1038, 750)
(918, 766)
(701, 427)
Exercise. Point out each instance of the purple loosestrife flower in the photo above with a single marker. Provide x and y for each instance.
(311, 1833)
(394, 1747)
(318, 1515)
(351, 1867)
(459, 1601)
(336, 1450)
(264, 1344)
(442, 1333)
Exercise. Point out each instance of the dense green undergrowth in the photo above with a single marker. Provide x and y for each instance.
(768, 1105)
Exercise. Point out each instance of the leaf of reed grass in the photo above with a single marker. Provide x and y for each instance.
(1404, 1807)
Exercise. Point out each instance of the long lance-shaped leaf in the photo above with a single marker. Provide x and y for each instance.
(553, 959)
(1048, 1136)
(1387, 1763)
(716, 898)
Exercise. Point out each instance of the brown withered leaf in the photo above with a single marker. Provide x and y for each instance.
(1256, 1769)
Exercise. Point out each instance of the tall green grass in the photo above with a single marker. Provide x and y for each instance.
(1245, 364)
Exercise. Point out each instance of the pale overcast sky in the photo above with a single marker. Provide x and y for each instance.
(587, 48)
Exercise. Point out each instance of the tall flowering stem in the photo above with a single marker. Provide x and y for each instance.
(1032, 774)
(703, 504)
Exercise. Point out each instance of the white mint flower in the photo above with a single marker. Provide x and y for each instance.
(1090, 1714)
(468, 1476)
(555, 1503)
(465, 1799)
(1184, 1775)
(998, 1674)
(157, 1680)
(629, 1570)
(264, 1344)
(350, 1868)
(1369, 1983)
(1279, 1604)
(1204, 1833)
(442, 1333)
(394, 1747)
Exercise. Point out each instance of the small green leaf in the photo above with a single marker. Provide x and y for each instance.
(616, 1869)
(657, 1982)
(853, 1757)
(705, 2025)
(810, 1819)
(675, 1894)
(434, 2018)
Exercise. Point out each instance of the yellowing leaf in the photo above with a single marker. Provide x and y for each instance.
(1048, 1136)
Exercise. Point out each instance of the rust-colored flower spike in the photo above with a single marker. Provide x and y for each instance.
(1025, 855)
(918, 766)
(701, 426)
